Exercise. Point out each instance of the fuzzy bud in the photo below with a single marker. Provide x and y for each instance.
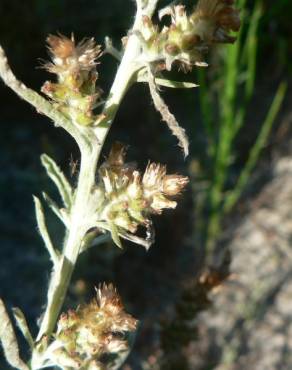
(131, 198)
(158, 187)
(215, 19)
(85, 335)
(75, 93)
(188, 37)
(69, 58)
(173, 185)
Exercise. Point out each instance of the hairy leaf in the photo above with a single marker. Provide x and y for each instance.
(9, 341)
(22, 324)
(167, 116)
(59, 179)
(43, 229)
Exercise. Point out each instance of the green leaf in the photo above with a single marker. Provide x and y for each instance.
(59, 179)
(115, 235)
(54, 207)
(93, 239)
(22, 324)
(41, 222)
(143, 77)
(255, 151)
(9, 341)
(175, 84)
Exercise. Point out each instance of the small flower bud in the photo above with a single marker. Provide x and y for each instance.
(68, 58)
(96, 365)
(171, 49)
(65, 359)
(190, 41)
(188, 37)
(75, 93)
(134, 189)
(173, 184)
(216, 17)
(160, 202)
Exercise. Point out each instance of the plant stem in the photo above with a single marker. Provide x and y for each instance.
(80, 210)
(39, 102)
(62, 273)
(80, 213)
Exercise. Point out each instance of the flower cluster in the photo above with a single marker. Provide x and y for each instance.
(85, 335)
(131, 197)
(75, 93)
(189, 37)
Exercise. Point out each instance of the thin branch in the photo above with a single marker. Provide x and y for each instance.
(110, 49)
(41, 104)
(166, 115)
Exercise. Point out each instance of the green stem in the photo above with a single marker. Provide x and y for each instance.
(62, 273)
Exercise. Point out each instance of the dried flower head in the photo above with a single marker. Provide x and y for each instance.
(215, 19)
(131, 198)
(91, 331)
(68, 57)
(188, 37)
(75, 93)
(158, 186)
(115, 319)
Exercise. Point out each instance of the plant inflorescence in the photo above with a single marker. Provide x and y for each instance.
(112, 198)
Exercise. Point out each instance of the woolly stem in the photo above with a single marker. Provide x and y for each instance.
(61, 276)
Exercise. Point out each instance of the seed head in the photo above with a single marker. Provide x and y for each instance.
(215, 19)
(174, 184)
(110, 304)
(85, 335)
(188, 37)
(75, 94)
(158, 187)
(130, 197)
(69, 57)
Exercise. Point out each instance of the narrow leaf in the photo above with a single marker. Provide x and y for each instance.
(170, 83)
(94, 239)
(9, 341)
(255, 151)
(54, 207)
(22, 324)
(137, 240)
(59, 179)
(115, 235)
(121, 356)
(175, 84)
(43, 230)
(167, 116)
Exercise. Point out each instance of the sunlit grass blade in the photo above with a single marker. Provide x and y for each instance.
(261, 140)
(249, 57)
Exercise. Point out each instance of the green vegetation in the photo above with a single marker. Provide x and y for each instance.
(235, 86)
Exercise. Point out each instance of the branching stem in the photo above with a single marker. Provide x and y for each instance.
(89, 157)
(41, 104)
(90, 142)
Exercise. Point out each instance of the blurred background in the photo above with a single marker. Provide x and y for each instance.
(215, 290)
